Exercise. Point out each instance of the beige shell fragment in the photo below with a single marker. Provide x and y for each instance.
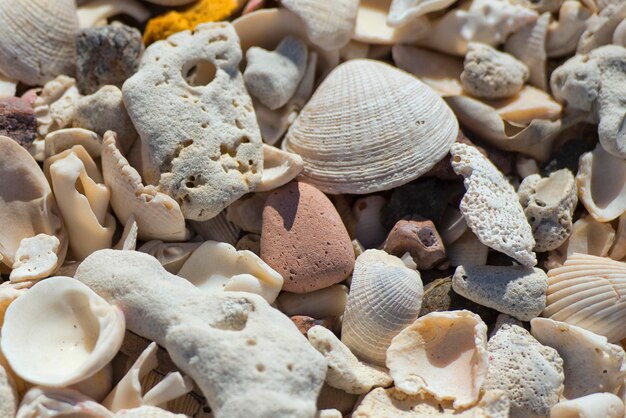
(83, 201)
(596, 405)
(35, 258)
(171, 255)
(601, 181)
(564, 33)
(60, 332)
(95, 13)
(64, 139)
(600, 27)
(369, 231)
(372, 26)
(443, 354)
(147, 412)
(385, 297)
(490, 206)
(247, 212)
(588, 237)
(59, 402)
(618, 251)
(345, 371)
(216, 266)
(55, 107)
(217, 229)
(322, 303)
(158, 216)
(467, 249)
(590, 363)
(402, 12)
(588, 291)
(128, 240)
(128, 392)
(329, 24)
(37, 39)
(339, 132)
(279, 168)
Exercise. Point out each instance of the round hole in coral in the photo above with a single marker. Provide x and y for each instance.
(199, 72)
(260, 367)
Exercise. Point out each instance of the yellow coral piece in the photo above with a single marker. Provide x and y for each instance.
(163, 26)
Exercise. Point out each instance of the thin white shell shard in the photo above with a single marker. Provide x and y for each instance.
(588, 291)
(491, 207)
(35, 258)
(354, 138)
(279, 168)
(59, 402)
(596, 405)
(385, 297)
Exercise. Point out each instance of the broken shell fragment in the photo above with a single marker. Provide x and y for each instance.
(158, 216)
(443, 354)
(596, 405)
(55, 106)
(587, 291)
(618, 251)
(95, 13)
(63, 139)
(59, 402)
(327, 302)
(338, 151)
(467, 249)
(372, 25)
(367, 211)
(385, 296)
(60, 332)
(216, 266)
(279, 168)
(529, 46)
(345, 371)
(563, 34)
(402, 12)
(35, 258)
(588, 237)
(490, 206)
(171, 255)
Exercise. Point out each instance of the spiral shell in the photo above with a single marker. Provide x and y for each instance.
(385, 297)
(589, 292)
(370, 127)
(37, 39)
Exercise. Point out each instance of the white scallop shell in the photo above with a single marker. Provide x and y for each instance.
(601, 181)
(37, 39)
(528, 45)
(589, 292)
(370, 127)
(385, 297)
(443, 354)
(60, 332)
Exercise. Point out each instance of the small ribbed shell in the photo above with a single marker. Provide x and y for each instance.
(37, 39)
(385, 297)
(370, 127)
(529, 46)
(589, 292)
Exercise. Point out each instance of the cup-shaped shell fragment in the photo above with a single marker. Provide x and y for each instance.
(385, 297)
(370, 127)
(589, 292)
(60, 332)
(443, 354)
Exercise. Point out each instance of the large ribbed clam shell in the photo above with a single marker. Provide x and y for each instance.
(370, 127)
(589, 292)
(37, 39)
(385, 297)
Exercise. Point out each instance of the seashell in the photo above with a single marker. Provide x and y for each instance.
(587, 292)
(10, 291)
(601, 27)
(171, 255)
(467, 249)
(354, 50)
(90, 225)
(27, 204)
(443, 354)
(218, 228)
(128, 392)
(486, 21)
(265, 28)
(128, 240)
(372, 26)
(37, 39)
(329, 24)
(367, 211)
(96, 13)
(402, 12)
(247, 212)
(453, 226)
(490, 206)
(528, 44)
(279, 168)
(55, 106)
(216, 266)
(158, 216)
(385, 296)
(590, 363)
(618, 251)
(58, 141)
(597, 405)
(351, 166)
(35, 258)
(345, 371)
(98, 385)
(147, 412)
(60, 332)
(323, 303)
(59, 402)
(588, 237)
(335, 398)
(250, 242)
(563, 34)
(171, 3)
(8, 86)
(541, 6)
(601, 182)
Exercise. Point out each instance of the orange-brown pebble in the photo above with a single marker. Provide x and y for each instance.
(304, 239)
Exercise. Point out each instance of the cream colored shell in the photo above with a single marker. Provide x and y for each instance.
(35, 258)
(618, 251)
(96, 13)
(55, 107)
(373, 27)
(279, 168)
(59, 402)
(403, 12)
(171, 255)
(529, 46)
(596, 405)
(147, 412)
(37, 39)
(601, 184)
(8, 86)
(588, 292)
(563, 34)
(385, 297)
(64, 139)
(158, 216)
(216, 266)
(355, 137)
(443, 354)
(60, 332)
